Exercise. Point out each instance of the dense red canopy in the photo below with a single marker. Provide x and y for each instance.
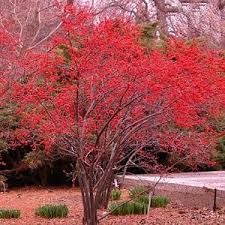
(97, 85)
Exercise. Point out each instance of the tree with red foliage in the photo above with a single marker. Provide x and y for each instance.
(97, 92)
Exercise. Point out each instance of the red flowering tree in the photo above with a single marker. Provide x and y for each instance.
(97, 92)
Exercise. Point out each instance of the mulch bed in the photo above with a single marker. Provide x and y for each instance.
(27, 199)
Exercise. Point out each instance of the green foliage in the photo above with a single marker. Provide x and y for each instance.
(8, 123)
(3, 145)
(52, 211)
(149, 30)
(115, 194)
(142, 199)
(36, 159)
(9, 213)
(128, 208)
(199, 41)
(7, 118)
(149, 38)
(156, 201)
(63, 51)
(159, 201)
(139, 203)
(139, 194)
(136, 192)
(219, 155)
(218, 125)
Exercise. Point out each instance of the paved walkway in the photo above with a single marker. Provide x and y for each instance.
(215, 179)
(191, 189)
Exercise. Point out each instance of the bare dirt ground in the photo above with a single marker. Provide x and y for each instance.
(27, 199)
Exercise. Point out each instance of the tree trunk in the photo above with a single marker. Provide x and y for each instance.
(103, 191)
(70, 2)
(43, 174)
(85, 177)
(161, 13)
(222, 22)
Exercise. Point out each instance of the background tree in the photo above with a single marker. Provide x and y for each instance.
(185, 19)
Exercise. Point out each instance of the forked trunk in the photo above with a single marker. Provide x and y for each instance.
(103, 191)
(93, 201)
(86, 186)
(90, 211)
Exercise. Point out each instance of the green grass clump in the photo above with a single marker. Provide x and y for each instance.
(115, 194)
(9, 213)
(128, 208)
(142, 199)
(136, 192)
(138, 203)
(52, 211)
(156, 201)
(159, 201)
(139, 194)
